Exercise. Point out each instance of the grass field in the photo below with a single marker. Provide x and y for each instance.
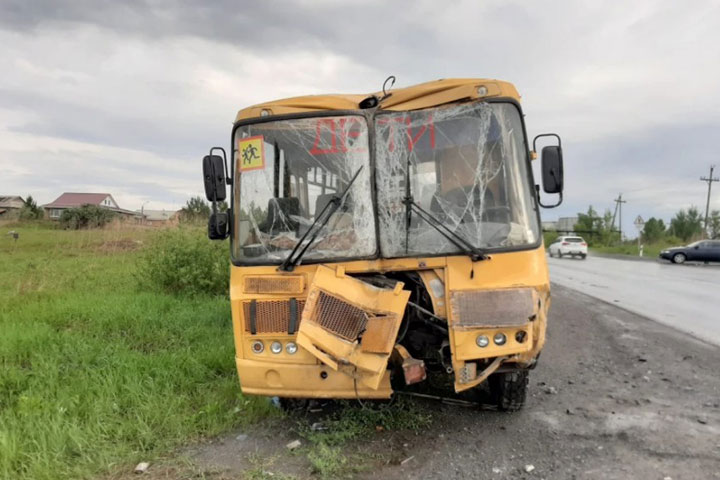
(649, 251)
(96, 372)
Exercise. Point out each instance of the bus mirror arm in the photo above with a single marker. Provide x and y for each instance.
(537, 194)
(551, 168)
(216, 179)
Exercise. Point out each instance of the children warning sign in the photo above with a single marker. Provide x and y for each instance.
(252, 153)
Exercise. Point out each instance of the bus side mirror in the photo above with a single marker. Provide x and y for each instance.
(218, 226)
(214, 177)
(552, 170)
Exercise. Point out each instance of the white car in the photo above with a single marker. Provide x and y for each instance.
(573, 246)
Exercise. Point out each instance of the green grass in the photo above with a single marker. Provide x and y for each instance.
(97, 373)
(649, 251)
(326, 453)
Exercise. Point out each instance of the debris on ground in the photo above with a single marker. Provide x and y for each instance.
(142, 467)
(529, 468)
(241, 438)
(318, 426)
(550, 390)
(293, 445)
(407, 460)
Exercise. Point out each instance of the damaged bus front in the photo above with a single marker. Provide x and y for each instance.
(379, 239)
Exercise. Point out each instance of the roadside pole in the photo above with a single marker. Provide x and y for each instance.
(639, 224)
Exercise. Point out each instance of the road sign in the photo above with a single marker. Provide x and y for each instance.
(639, 223)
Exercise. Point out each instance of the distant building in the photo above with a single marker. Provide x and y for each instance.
(550, 225)
(567, 224)
(68, 200)
(159, 217)
(10, 206)
(562, 225)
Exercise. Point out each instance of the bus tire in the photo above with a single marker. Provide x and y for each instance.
(509, 390)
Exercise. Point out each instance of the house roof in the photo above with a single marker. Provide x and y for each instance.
(11, 201)
(424, 95)
(71, 199)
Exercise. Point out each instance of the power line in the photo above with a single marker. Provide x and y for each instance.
(709, 179)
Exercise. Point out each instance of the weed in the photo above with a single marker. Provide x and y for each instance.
(351, 422)
(261, 469)
(183, 260)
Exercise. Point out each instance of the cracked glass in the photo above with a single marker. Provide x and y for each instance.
(287, 172)
(467, 167)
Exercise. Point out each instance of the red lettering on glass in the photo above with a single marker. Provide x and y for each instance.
(315, 150)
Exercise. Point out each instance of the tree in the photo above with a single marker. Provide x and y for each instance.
(30, 211)
(654, 230)
(86, 216)
(686, 225)
(601, 227)
(196, 210)
(715, 224)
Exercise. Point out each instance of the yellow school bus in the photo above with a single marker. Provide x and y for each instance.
(376, 239)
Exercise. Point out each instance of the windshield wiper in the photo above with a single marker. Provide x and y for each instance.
(460, 242)
(321, 220)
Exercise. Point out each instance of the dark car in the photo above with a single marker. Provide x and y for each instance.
(701, 251)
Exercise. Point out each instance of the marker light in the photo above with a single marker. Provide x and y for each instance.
(499, 339)
(276, 347)
(291, 347)
(257, 346)
(482, 90)
(482, 341)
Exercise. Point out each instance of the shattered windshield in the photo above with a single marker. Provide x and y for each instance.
(287, 172)
(467, 168)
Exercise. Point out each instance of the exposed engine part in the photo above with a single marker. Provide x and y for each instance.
(446, 356)
(413, 369)
(445, 400)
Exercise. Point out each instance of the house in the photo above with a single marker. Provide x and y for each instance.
(159, 217)
(564, 225)
(10, 206)
(74, 200)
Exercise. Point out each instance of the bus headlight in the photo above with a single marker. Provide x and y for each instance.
(257, 346)
(499, 339)
(482, 341)
(276, 347)
(291, 347)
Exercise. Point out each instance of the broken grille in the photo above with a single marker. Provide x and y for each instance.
(272, 316)
(339, 317)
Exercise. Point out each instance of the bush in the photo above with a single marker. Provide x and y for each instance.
(183, 260)
(549, 237)
(87, 216)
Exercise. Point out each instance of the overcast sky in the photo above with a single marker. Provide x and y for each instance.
(126, 97)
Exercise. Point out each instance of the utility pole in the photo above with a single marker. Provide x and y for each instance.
(618, 207)
(710, 179)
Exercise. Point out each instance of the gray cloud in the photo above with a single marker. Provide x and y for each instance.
(631, 87)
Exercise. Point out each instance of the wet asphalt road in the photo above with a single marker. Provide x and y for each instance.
(686, 297)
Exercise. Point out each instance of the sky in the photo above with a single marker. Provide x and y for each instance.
(127, 97)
